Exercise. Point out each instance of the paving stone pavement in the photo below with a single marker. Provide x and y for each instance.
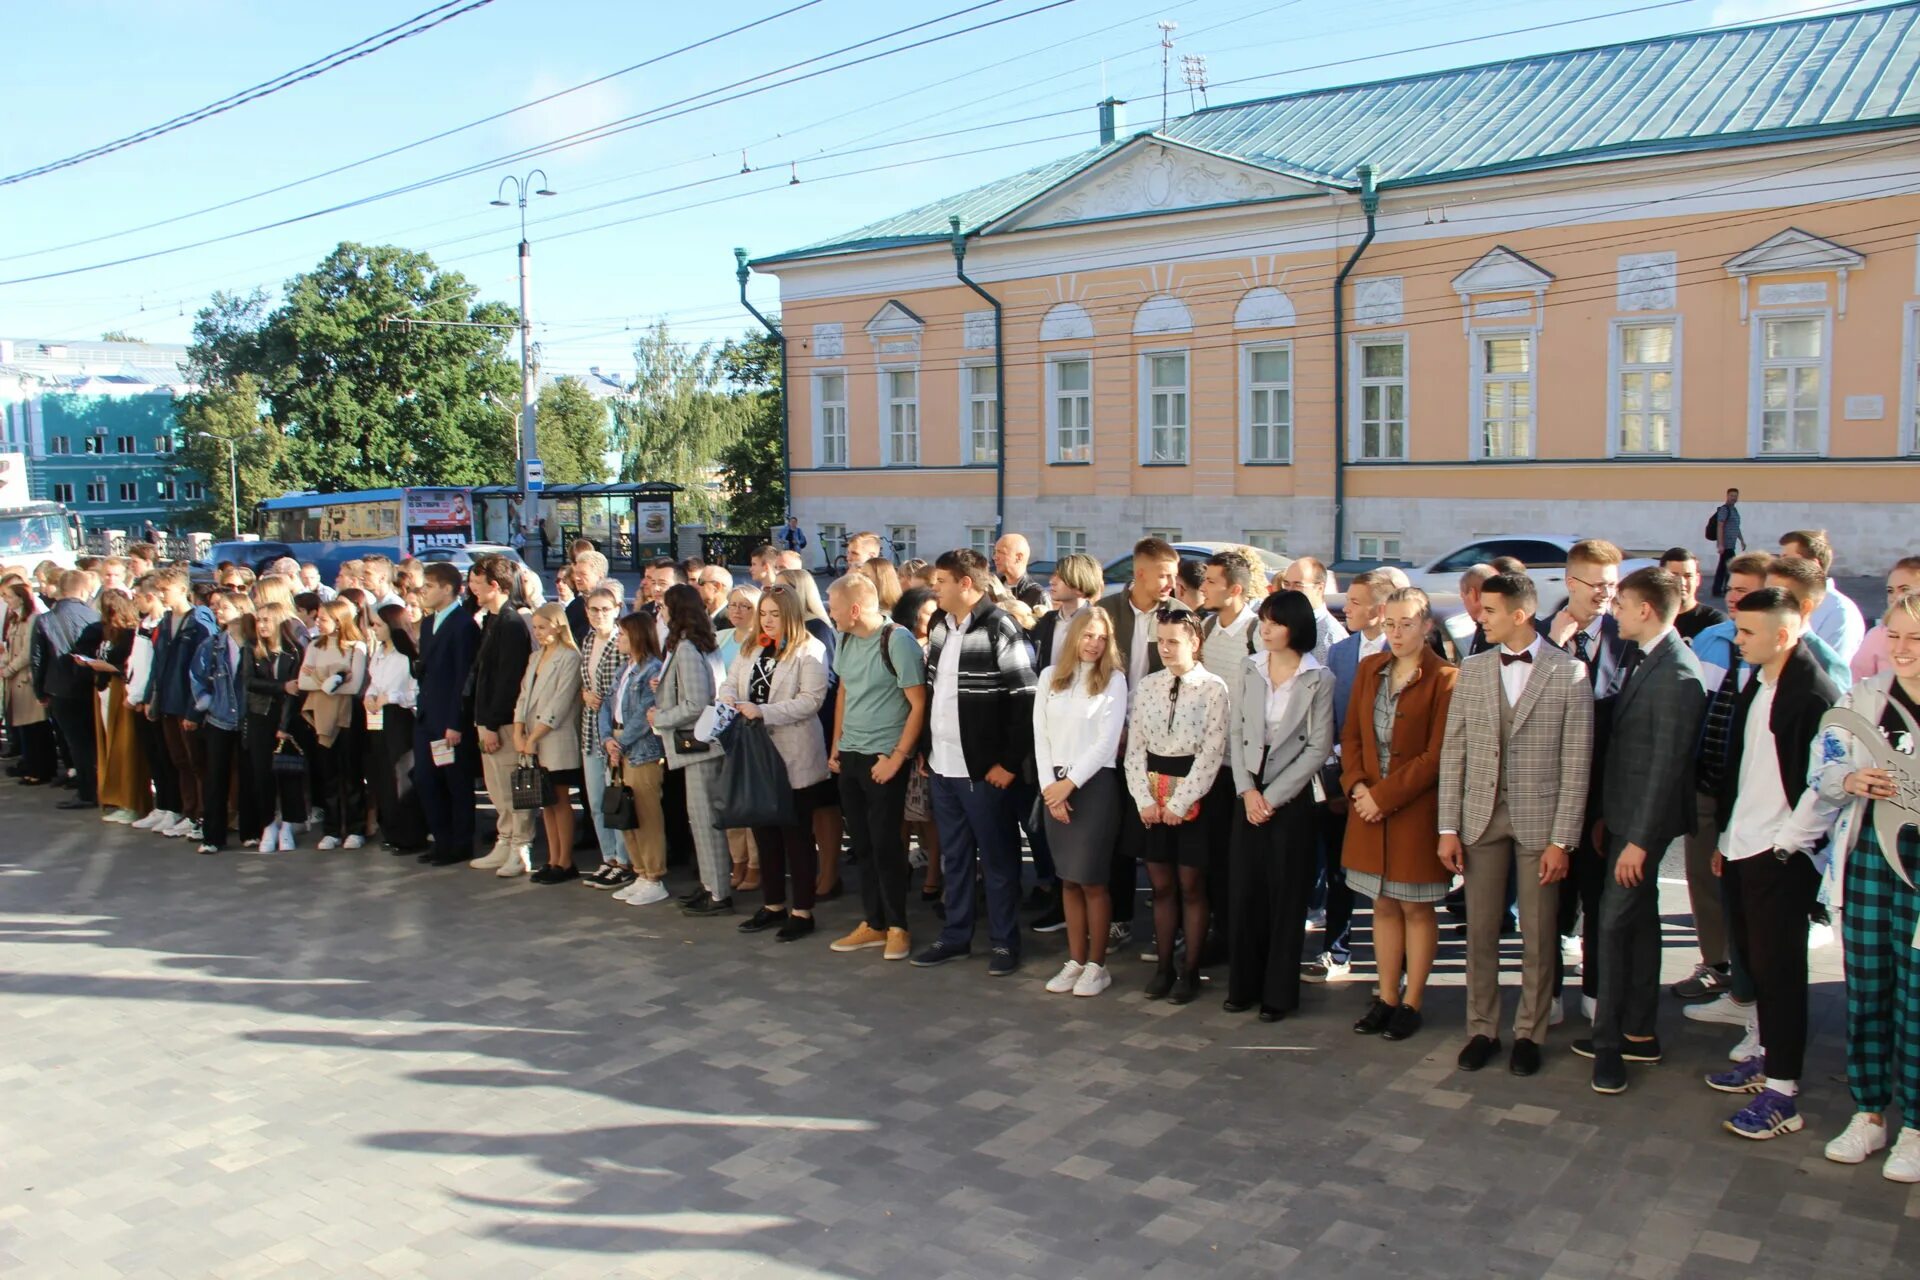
(347, 1064)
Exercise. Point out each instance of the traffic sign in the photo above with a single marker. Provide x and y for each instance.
(535, 473)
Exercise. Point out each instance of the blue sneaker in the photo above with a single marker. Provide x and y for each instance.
(940, 953)
(1768, 1116)
(1750, 1076)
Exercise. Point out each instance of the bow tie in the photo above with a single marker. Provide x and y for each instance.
(1508, 659)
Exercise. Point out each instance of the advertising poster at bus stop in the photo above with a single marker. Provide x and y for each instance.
(438, 518)
(653, 532)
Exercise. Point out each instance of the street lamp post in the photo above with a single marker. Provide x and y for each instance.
(529, 448)
(233, 477)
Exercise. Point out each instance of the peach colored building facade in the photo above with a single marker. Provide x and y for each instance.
(1597, 347)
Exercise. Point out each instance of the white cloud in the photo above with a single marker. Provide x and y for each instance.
(570, 114)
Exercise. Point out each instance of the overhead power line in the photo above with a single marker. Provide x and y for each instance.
(419, 24)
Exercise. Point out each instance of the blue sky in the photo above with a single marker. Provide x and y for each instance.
(87, 71)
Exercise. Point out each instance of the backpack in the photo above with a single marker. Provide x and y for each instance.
(886, 647)
(1713, 525)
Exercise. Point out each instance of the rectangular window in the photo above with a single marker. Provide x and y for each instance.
(163, 444)
(59, 444)
(96, 491)
(1645, 387)
(1165, 535)
(1268, 407)
(1792, 362)
(833, 540)
(125, 444)
(165, 488)
(1069, 542)
(1072, 404)
(1166, 426)
(94, 444)
(129, 491)
(906, 542)
(196, 491)
(1376, 546)
(980, 538)
(981, 391)
(1503, 394)
(901, 414)
(1274, 540)
(1383, 400)
(830, 426)
(63, 493)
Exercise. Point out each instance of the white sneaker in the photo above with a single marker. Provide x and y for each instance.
(270, 838)
(154, 820)
(328, 842)
(1588, 1007)
(489, 861)
(1316, 920)
(1063, 982)
(519, 862)
(647, 892)
(1861, 1138)
(124, 817)
(1093, 980)
(193, 833)
(178, 827)
(1749, 1046)
(1903, 1162)
(1722, 1008)
(626, 891)
(1572, 952)
(354, 842)
(285, 840)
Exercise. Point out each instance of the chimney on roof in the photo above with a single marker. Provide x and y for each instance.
(1112, 119)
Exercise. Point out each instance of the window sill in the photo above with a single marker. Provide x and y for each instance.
(1165, 464)
(1266, 462)
(1070, 462)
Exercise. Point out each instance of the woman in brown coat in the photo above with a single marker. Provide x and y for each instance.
(125, 791)
(26, 715)
(1390, 772)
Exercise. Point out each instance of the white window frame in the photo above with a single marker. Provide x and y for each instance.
(1381, 538)
(1146, 407)
(1055, 395)
(164, 489)
(125, 444)
(1476, 404)
(97, 491)
(970, 453)
(980, 538)
(196, 491)
(905, 540)
(1909, 372)
(1166, 533)
(887, 403)
(163, 444)
(96, 445)
(833, 540)
(1248, 387)
(1756, 344)
(1357, 388)
(59, 445)
(1618, 368)
(62, 491)
(129, 491)
(821, 405)
(1068, 540)
(1274, 540)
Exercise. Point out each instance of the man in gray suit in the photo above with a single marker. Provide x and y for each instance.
(1646, 802)
(1513, 793)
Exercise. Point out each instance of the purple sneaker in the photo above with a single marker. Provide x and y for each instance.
(1750, 1076)
(1768, 1116)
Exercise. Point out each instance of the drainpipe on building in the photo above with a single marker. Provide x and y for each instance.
(1369, 205)
(786, 403)
(999, 383)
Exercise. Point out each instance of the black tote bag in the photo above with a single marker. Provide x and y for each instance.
(754, 791)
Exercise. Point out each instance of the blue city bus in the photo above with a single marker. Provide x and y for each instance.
(328, 528)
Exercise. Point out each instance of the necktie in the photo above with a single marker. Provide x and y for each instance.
(1581, 646)
(1508, 659)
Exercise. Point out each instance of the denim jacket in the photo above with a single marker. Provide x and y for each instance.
(215, 683)
(639, 744)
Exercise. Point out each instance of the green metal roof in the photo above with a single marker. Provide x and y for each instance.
(1849, 72)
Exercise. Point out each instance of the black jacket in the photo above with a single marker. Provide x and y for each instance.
(995, 694)
(506, 644)
(1804, 694)
(265, 680)
(55, 635)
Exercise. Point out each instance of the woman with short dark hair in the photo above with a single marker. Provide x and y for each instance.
(687, 685)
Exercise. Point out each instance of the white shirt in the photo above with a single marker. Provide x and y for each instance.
(949, 758)
(1224, 652)
(1514, 675)
(1837, 620)
(1760, 809)
(1280, 696)
(1076, 730)
(1370, 645)
(390, 675)
(1145, 632)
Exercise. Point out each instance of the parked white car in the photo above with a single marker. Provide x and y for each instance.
(1544, 554)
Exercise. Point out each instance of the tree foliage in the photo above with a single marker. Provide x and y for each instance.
(118, 335)
(228, 413)
(571, 428)
(675, 421)
(753, 466)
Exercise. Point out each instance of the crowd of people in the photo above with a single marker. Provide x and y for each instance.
(1525, 767)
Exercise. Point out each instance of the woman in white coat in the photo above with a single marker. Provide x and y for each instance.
(783, 682)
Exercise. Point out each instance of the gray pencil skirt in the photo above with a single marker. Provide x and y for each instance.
(1083, 849)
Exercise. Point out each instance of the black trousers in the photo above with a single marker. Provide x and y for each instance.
(446, 795)
(276, 796)
(1123, 873)
(1587, 875)
(1333, 839)
(1768, 902)
(1273, 869)
(1626, 964)
(153, 745)
(36, 750)
(73, 718)
(1216, 816)
(390, 769)
(874, 813)
(217, 786)
(1721, 572)
(342, 783)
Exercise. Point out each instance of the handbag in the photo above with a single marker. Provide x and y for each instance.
(754, 788)
(532, 788)
(684, 743)
(288, 760)
(617, 809)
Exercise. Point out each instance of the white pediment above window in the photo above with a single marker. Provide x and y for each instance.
(895, 329)
(1793, 252)
(1263, 308)
(1066, 320)
(1501, 270)
(1150, 177)
(1162, 313)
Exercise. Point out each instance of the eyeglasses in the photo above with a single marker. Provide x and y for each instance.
(1598, 588)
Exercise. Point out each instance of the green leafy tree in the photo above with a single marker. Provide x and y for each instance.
(118, 335)
(753, 467)
(677, 420)
(571, 426)
(231, 412)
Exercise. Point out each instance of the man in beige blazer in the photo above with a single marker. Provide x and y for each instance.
(1513, 793)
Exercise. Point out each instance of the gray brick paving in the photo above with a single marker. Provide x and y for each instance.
(345, 1064)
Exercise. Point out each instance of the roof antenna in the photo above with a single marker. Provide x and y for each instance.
(744, 166)
(1193, 71)
(1167, 29)
(793, 168)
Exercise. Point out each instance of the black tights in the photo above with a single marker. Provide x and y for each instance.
(1185, 908)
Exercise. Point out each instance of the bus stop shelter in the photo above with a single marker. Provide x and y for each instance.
(630, 522)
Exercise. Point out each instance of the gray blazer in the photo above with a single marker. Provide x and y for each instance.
(792, 710)
(1646, 796)
(1301, 745)
(551, 696)
(1552, 751)
(686, 689)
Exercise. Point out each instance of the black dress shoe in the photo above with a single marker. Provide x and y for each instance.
(692, 903)
(709, 906)
(77, 803)
(1375, 1019)
(762, 919)
(795, 928)
(1609, 1072)
(1270, 1014)
(1645, 1052)
(1403, 1024)
(1160, 983)
(1185, 988)
(1526, 1058)
(688, 899)
(1236, 1006)
(932, 895)
(551, 874)
(401, 851)
(1478, 1052)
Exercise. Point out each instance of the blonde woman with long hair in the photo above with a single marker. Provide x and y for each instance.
(1079, 715)
(828, 824)
(333, 672)
(546, 727)
(274, 659)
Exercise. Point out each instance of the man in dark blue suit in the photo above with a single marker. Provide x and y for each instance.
(449, 639)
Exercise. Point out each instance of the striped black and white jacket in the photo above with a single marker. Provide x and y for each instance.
(996, 689)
